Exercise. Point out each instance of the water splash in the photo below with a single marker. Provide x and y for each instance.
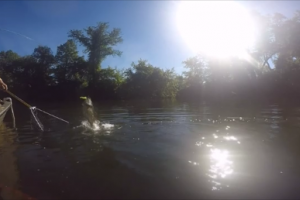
(107, 126)
(95, 126)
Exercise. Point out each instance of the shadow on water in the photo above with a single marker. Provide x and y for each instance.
(9, 171)
(64, 165)
(70, 166)
(157, 150)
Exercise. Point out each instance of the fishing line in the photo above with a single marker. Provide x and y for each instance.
(34, 110)
(34, 114)
(51, 115)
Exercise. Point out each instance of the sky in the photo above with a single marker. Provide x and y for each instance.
(148, 28)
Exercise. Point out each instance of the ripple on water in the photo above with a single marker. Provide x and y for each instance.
(162, 143)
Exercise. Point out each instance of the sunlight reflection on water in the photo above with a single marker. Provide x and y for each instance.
(182, 156)
(232, 138)
(220, 166)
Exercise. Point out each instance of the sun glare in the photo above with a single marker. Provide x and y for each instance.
(215, 28)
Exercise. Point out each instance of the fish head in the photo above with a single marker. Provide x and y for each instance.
(87, 101)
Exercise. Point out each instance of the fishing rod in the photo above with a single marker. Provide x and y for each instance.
(33, 108)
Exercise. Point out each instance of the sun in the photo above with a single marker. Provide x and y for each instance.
(215, 28)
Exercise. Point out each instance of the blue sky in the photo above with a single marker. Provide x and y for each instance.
(148, 27)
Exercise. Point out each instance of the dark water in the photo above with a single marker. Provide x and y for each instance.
(166, 150)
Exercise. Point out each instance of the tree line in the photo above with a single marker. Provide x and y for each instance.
(272, 69)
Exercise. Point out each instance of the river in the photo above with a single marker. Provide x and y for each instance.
(154, 150)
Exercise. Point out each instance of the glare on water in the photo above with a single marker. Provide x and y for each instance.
(171, 151)
(220, 163)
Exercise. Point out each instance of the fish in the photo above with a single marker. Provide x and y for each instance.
(88, 110)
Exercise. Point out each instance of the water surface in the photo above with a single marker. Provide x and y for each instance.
(154, 150)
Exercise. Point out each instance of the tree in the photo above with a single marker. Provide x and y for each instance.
(194, 77)
(69, 66)
(7, 61)
(108, 84)
(98, 43)
(196, 69)
(43, 67)
(262, 51)
(144, 81)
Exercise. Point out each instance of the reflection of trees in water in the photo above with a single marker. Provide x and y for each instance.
(72, 165)
(79, 166)
(289, 134)
(9, 175)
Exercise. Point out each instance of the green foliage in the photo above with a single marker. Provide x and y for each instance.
(7, 62)
(70, 70)
(68, 75)
(98, 43)
(144, 81)
(43, 61)
(197, 70)
(107, 84)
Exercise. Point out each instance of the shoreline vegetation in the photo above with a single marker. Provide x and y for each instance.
(271, 71)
